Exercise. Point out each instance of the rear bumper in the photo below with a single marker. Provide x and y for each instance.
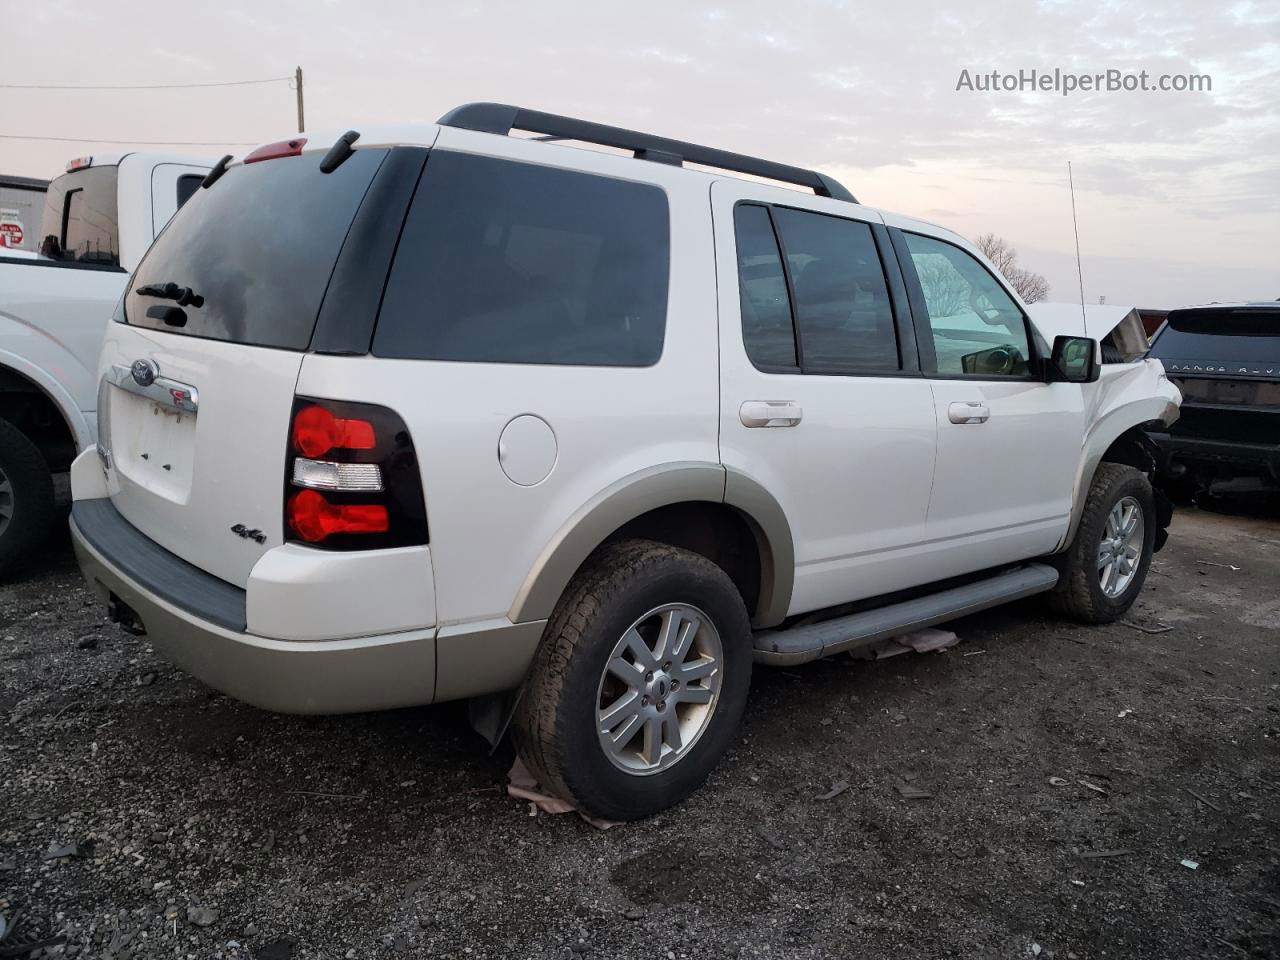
(197, 622)
(288, 676)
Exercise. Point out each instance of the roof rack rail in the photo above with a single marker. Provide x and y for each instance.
(502, 118)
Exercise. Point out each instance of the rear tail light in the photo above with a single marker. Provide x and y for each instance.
(351, 478)
(314, 518)
(316, 431)
(330, 475)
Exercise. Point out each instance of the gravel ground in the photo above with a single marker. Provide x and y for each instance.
(144, 815)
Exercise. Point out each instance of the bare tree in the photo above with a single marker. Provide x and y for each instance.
(945, 289)
(1031, 286)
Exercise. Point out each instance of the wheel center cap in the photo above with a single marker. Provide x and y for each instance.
(659, 687)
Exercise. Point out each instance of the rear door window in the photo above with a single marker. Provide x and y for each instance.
(259, 246)
(508, 262)
(822, 276)
(767, 330)
(841, 299)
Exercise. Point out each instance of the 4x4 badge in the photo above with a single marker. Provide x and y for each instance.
(257, 536)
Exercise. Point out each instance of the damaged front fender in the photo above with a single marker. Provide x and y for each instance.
(1125, 398)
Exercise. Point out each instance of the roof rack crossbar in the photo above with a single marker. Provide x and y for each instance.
(502, 118)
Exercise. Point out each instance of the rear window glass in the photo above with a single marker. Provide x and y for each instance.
(259, 246)
(507, 262)
(80, 223)
(1220, 336)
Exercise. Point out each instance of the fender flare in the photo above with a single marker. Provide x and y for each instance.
(648, 489)
(1098, 441)
(772, 530)
(82, 431)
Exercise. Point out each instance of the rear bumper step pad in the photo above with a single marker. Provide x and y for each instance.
(154, 568)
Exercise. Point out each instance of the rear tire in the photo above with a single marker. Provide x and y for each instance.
(26, 498)
(686, 692)
(1104, 569)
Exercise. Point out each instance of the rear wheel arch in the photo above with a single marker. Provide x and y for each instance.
(39, 416)
(735, 523)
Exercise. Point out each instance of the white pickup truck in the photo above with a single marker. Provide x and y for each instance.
(55, 301)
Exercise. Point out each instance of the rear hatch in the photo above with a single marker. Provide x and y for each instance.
(198, 372)
(1226, 361)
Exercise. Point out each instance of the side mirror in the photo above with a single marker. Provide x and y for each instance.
(1074, 360)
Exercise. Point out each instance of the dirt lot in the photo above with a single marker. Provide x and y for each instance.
(143, 815)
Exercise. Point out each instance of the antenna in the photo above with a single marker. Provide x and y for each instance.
(1075, 226)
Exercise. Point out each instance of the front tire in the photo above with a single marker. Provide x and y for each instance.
(26, 498)
(1107, 563)
(640, 682)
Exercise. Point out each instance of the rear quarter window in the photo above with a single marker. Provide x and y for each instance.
(508, 262)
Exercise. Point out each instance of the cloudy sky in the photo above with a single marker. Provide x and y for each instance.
(1176, 192)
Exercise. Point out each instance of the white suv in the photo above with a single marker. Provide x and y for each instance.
(440, 412)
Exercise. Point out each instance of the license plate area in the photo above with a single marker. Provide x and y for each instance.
(153, 445)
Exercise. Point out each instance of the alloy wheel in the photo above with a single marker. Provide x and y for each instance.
(1120, 549)
(659, 689)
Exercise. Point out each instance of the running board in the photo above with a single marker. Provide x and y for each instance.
(817, 640)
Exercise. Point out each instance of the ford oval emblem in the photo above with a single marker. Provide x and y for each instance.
(144, 372)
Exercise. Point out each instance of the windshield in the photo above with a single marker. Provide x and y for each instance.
(255, 252)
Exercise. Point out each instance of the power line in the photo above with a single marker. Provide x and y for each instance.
(138, 86)
(132, 143)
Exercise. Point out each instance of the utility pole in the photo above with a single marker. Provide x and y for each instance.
(297, 82)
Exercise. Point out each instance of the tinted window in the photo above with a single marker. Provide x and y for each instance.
(508, 262)
(766, 312)
(80, 219)
(841, 300)
(259, 246)
(188, 184)
(1224, 334)
(977, 328)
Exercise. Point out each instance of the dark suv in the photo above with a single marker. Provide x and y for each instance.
(1225, 358)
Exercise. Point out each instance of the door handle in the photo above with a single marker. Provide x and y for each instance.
(968, 411)
(770, 413)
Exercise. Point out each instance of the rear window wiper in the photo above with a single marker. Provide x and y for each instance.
(218, 170)
(185, 296)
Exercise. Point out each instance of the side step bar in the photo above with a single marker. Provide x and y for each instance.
(817, 640)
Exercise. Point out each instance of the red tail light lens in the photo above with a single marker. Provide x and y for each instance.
(366, 492)
(316, 431)
(284, 148)
(314, 518)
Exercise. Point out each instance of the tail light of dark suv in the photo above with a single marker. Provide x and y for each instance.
(351, 478)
